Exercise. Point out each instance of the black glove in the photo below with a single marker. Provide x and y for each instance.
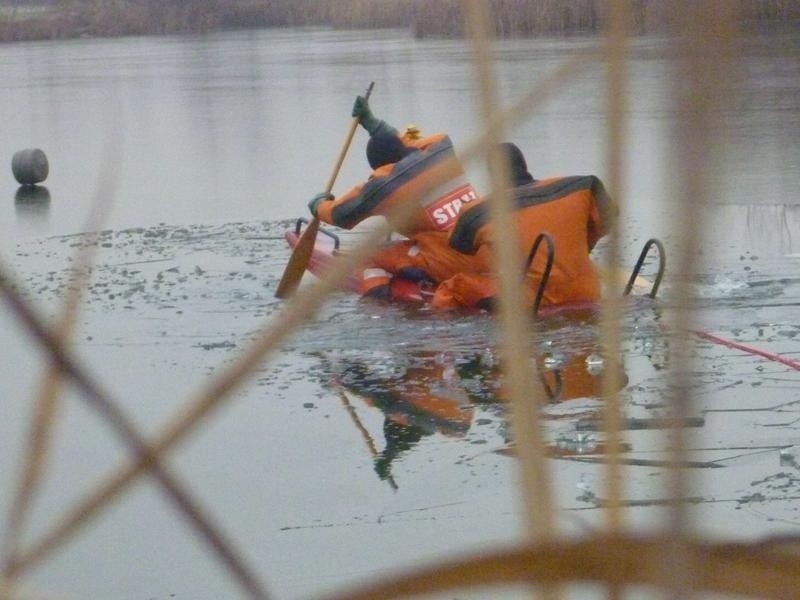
(315, 201)
(365, 117)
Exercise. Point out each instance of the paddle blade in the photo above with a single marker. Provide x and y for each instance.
(298, 261)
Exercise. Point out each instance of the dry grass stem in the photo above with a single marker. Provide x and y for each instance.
(100, 400)
(514, 324)
(46, 404)
(704, 66)
(616, 105)
(619, 562)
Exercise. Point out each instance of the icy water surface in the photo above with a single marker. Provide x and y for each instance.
(377, 437)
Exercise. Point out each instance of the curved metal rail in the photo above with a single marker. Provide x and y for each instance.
(299, 225)
(661, 266)
(551, 252)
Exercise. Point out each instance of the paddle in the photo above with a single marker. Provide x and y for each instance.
(301, 254)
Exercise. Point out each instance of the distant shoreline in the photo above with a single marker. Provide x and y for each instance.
(37, 20)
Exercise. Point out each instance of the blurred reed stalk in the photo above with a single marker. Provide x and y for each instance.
(614, 49)
(46, 400)
(704, 72)
(525, 391)
(56, 342)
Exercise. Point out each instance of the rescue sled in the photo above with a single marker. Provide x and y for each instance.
(327, 247)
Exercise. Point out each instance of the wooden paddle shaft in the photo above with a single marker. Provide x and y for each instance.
(346, 145)
(298, 261)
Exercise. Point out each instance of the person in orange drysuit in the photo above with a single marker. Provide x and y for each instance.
(405, 168)
(575, 211)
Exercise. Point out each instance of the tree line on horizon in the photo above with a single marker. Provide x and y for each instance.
(60, 19)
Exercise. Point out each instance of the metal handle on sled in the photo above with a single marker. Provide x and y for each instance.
(302, 220)
(661, 266)
(551, 252)
(553, 394)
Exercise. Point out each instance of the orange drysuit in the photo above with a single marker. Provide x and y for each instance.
(576, 211)
(432, 177)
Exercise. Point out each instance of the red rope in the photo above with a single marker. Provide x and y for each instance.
(792, 364)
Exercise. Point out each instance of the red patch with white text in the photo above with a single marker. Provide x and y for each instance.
(444, 211)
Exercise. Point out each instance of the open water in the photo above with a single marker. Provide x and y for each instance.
(377, 439)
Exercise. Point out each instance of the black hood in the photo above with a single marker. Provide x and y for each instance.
(385, 149)
(519, 168)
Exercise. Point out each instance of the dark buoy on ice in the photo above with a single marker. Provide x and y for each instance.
(30, 166)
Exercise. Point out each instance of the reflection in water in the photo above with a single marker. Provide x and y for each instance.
(32, 205)
(425, 399)
(430, 393)
(33, 198)
(427, 375)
